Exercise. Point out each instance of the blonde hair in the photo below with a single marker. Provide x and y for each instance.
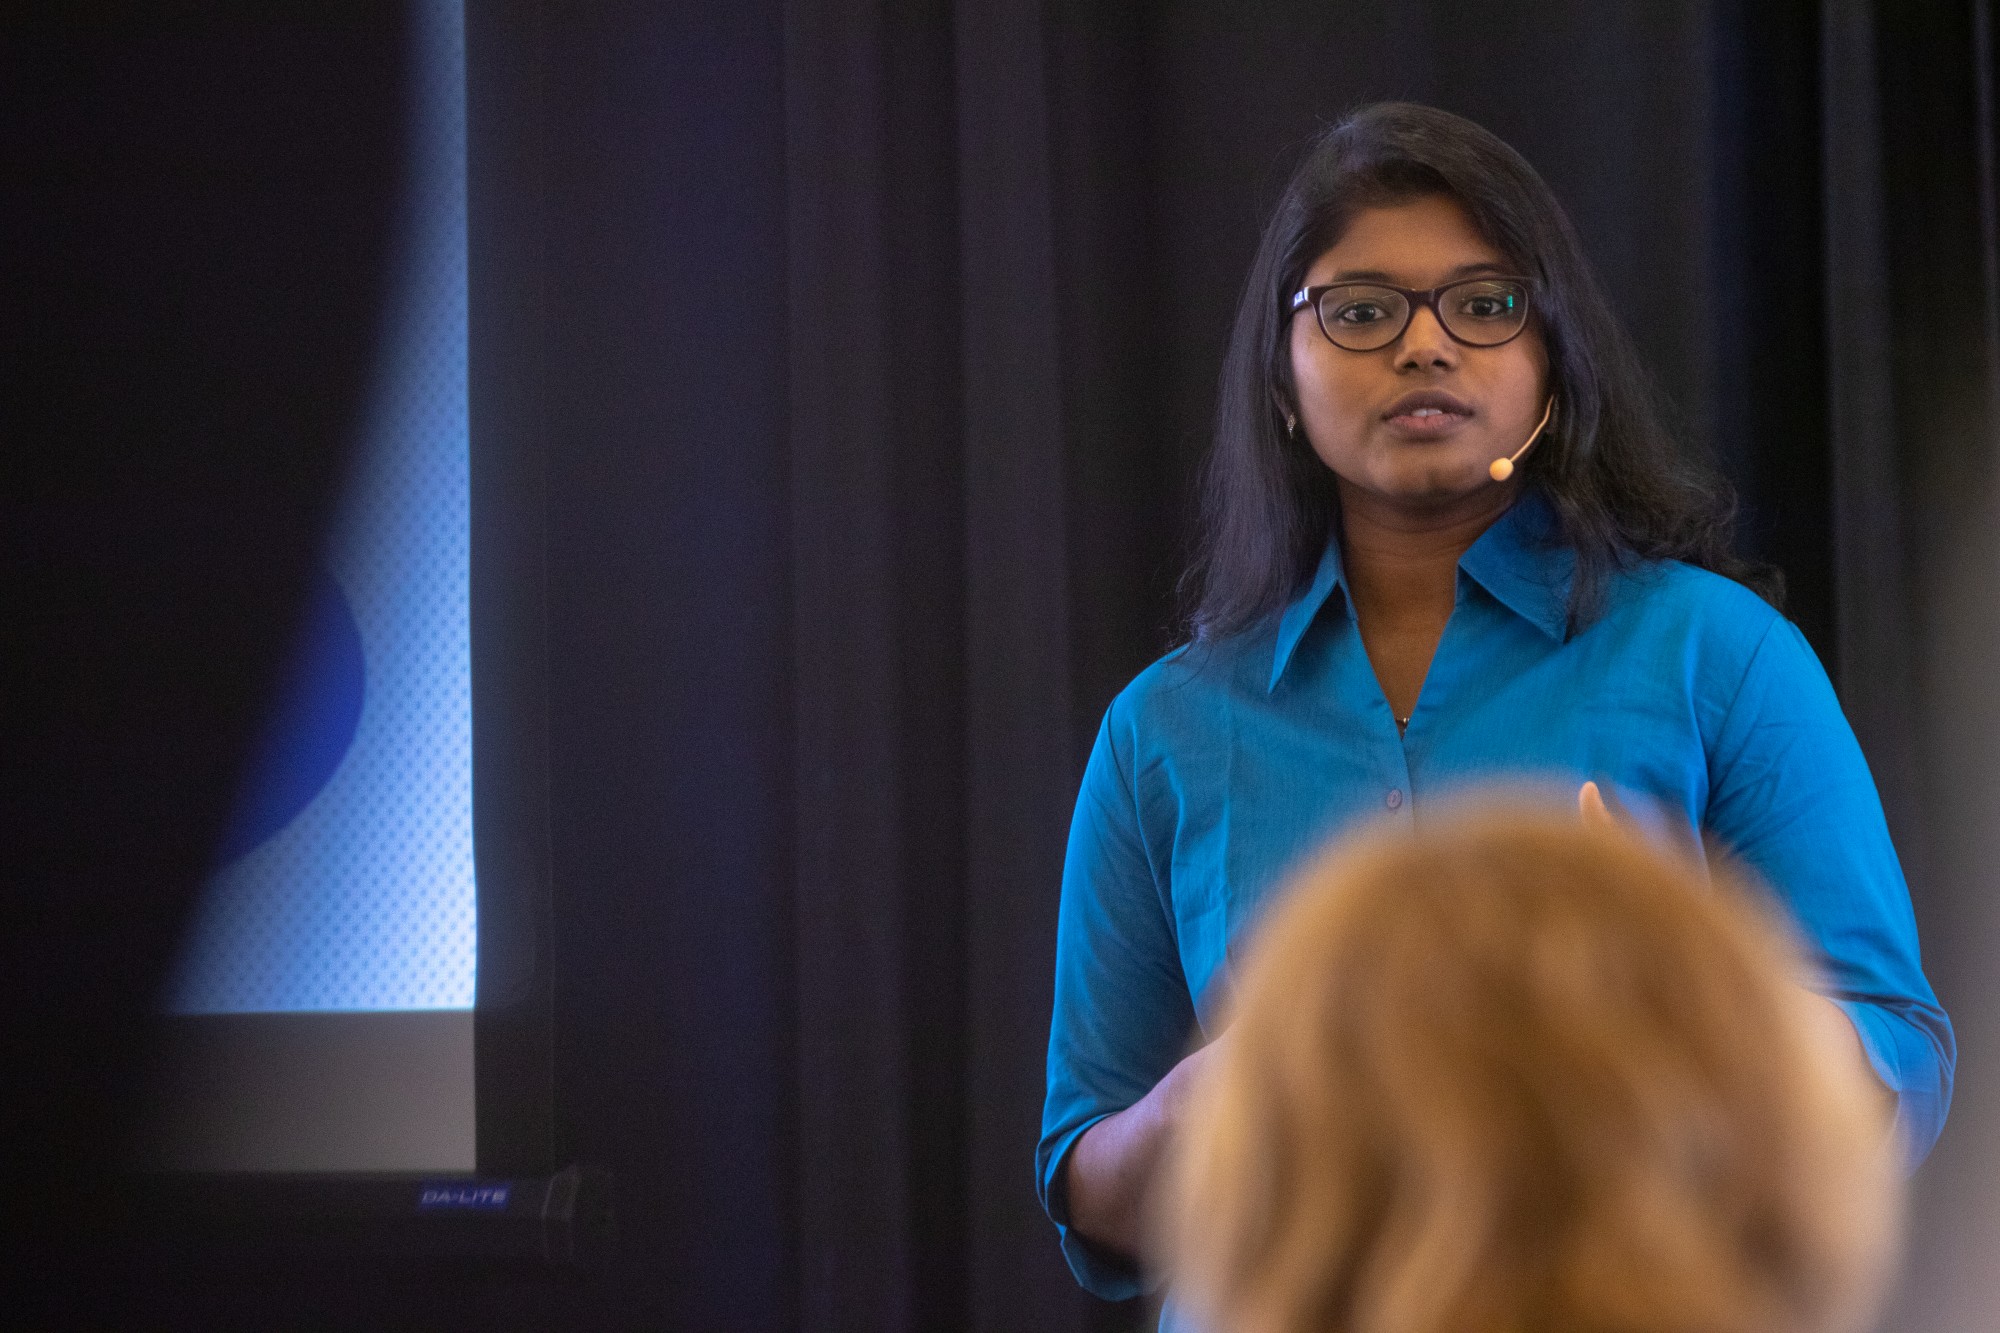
(1515, 1075)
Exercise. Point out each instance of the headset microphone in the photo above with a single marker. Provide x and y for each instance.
(1503, 468)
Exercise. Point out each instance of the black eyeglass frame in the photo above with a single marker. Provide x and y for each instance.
(1412, 299)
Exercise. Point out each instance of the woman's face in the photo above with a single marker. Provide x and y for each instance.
(1362, 410)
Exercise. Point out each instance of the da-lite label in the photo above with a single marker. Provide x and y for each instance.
(462, 1196)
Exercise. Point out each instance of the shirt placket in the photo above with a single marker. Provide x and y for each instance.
(1400, 791)
(1394, 766)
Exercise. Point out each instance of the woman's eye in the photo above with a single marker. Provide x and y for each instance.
(1360, 312)
(1488, 304)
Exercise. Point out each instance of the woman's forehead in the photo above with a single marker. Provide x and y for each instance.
(1418, 243)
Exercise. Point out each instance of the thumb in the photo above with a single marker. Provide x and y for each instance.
(1590, 805)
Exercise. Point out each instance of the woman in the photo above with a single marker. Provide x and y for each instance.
(1496, 1077)
(1383, 612)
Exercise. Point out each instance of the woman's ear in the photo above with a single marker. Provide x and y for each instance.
(1287, 414)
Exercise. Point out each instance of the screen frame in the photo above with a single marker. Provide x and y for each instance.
(506, 192)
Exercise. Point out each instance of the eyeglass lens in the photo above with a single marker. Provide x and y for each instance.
(1481, 313)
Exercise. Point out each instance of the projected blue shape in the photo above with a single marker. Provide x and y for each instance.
(318, 712)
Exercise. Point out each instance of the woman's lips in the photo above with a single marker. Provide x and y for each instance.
(1427, 423)
(1427, 414)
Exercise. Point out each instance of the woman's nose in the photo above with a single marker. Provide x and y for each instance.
(1425, 343)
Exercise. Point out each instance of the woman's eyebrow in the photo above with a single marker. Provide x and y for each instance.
(1377, 275)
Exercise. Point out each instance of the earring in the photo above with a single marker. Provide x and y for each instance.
(1291, 426)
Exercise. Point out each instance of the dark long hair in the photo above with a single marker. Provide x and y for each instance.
(1621, 486)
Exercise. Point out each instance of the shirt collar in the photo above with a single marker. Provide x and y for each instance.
(1525, 566)
(1517, 560)
(1292, 625)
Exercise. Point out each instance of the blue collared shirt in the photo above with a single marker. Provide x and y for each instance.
(1691, 702)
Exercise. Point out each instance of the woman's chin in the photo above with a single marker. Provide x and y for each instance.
(1437, 484)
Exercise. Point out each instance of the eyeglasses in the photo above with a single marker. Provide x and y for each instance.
(1368, 316)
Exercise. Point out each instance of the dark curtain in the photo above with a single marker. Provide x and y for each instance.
(871, 348)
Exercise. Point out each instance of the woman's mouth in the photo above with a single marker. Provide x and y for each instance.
(1428, 415)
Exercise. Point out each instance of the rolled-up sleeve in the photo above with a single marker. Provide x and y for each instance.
(1122, 1013)
(1790, 794)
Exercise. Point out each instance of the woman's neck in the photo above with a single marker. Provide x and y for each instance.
(1401, 562)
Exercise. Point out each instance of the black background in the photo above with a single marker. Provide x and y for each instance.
(854, 361)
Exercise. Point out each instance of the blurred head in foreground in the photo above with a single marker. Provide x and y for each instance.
(1515, 1075)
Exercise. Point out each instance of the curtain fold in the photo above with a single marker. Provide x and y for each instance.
(873, 322)
(1020, 623)
(1873, 642)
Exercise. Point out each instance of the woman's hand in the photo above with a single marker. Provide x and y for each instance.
(1838, 1036)
(1111, 1170)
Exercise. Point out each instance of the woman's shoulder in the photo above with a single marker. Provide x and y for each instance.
(1688, 597)
(1671, 612)
(1189, 684)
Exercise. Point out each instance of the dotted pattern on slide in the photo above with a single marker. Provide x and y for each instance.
(366, 899)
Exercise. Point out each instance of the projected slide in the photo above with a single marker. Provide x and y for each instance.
(322, 1006)
(346, 881)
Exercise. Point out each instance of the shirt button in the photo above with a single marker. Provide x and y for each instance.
(1394, 799)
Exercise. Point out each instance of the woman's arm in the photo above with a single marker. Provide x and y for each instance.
(1790, 794)
(1119, 1030)
(1111, 1170)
